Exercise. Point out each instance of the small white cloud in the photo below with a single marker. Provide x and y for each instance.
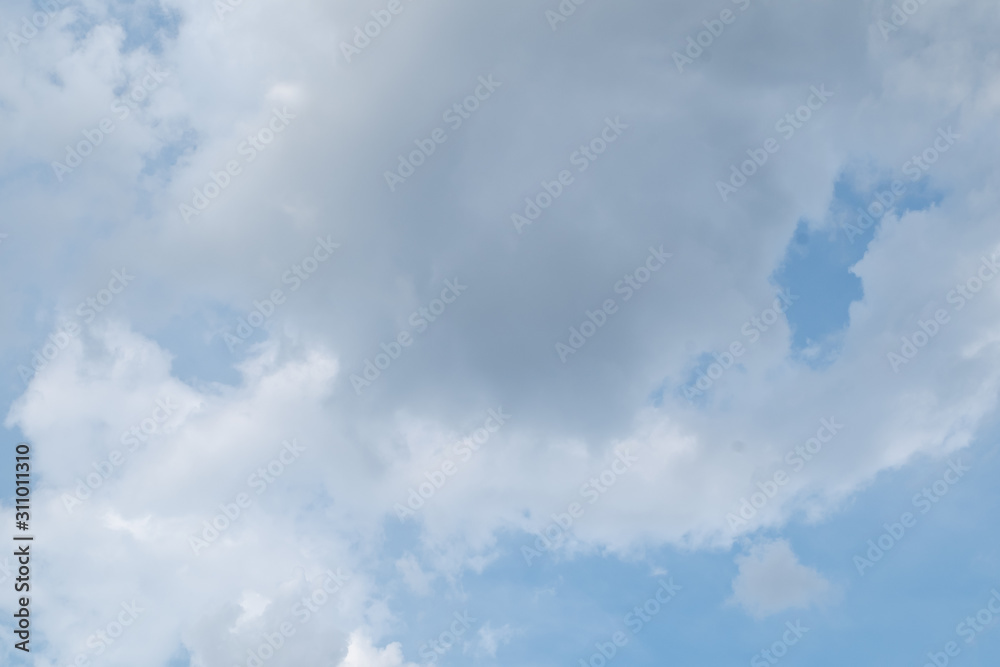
(771, 579)
(416, 579)
(490, 639)
(362, 653)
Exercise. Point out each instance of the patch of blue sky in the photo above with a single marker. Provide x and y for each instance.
(818, 259)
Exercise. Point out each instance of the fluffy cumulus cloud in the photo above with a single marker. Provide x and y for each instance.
(290, 295)
(361, 653)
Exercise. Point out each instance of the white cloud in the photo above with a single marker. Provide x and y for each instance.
(491, 639)
(771, 580)
(362, 653)
(416, 579)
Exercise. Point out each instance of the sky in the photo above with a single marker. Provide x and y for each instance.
(408, 333)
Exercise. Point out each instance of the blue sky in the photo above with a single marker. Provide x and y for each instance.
(303, 386)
